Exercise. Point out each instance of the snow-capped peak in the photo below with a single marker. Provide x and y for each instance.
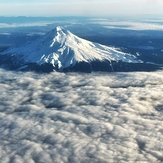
(59, 28)
(61, 48)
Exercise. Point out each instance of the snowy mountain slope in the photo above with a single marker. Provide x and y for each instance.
(63, 49)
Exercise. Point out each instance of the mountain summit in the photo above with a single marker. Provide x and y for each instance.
(61, 49)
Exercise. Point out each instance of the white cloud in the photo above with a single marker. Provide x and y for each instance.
(57, 117)
(16, 25)
(132, 25)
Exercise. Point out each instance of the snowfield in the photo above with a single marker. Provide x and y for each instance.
(80, 118)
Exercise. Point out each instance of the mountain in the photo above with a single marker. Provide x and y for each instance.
(61, 50)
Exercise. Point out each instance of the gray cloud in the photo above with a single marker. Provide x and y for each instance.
(57, 117)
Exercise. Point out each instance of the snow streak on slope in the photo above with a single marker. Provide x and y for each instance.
(80, 118)
(62, 48)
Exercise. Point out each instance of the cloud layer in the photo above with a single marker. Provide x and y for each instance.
(16, 25)
(129, 25)
(57, 117)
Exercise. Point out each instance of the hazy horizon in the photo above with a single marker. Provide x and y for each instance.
(80, 8)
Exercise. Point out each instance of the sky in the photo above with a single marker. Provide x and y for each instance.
(79, 8)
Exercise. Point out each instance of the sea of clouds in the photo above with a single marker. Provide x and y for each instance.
(80, 118)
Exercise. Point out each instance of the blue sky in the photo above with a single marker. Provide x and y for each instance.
(82, 7)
